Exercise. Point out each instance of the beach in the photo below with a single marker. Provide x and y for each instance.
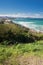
(35, 24)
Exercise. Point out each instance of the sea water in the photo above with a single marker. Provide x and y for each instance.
(32, 23)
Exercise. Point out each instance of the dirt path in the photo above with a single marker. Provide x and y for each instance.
(33, 60)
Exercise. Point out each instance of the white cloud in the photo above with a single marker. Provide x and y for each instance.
(31, 15)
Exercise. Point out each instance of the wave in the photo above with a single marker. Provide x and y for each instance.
(31, 25)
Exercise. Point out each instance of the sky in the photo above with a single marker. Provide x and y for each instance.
(26, 8)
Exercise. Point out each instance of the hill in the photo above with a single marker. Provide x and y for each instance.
(15, 33)
(20, 45)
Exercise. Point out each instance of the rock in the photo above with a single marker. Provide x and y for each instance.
(5, 21)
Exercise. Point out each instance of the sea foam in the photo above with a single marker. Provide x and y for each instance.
(31, 25)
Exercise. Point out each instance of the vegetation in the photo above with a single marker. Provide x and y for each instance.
(14, 33)
(9, 55)
(17, 41)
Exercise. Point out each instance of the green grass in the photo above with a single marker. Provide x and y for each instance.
(9, 54)
(16, 33)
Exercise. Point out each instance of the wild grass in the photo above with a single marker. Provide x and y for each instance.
(9, 54)
(18, 34)
(17, 41)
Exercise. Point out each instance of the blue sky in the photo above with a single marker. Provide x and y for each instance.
(25, 7)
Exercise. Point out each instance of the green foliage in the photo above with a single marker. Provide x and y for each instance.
(10, 54)
(13, 33)
(24, 43)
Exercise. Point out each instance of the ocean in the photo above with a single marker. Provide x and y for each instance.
(32, 23)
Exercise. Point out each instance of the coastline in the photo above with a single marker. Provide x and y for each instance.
(33, 30)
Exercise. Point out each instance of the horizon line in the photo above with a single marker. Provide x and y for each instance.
(25, 15)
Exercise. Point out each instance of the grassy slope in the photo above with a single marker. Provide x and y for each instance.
(9, 55)
(17, 33)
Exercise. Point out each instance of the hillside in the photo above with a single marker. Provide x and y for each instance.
(20, 45)
(16, 33)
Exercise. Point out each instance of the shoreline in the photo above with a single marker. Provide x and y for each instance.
(31, 29)
(28, 25)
